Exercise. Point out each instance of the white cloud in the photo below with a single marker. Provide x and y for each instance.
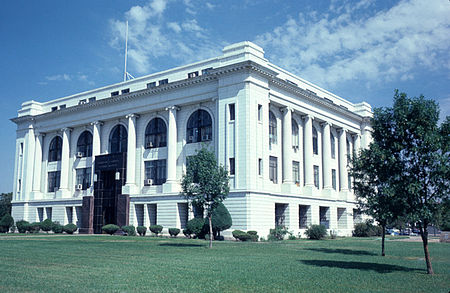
(59, 77)
(349, 42)
(210, 6)
(174, 26)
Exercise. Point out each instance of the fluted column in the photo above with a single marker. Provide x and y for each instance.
(356, 143)
(65, 159)
(343, 176)
(96, 144)
(38, 162)
(309, 179)
(28, 157)
(287, 145)
(131, 150)
(326, 156)
(172, 145)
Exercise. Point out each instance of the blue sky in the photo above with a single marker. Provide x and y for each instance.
(360, 50)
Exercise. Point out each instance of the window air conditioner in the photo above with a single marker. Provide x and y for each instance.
(79, 186)
(148, 182)
(79, 154)
(149, 144)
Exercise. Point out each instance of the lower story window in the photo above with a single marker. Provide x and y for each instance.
(333, 178)
(53, 181)
(273, 169)
(156, 171)
(84, 178)
(296, 172)
(316, 176)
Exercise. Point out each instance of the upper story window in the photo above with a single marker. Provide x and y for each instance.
(259, 112)
(333, 146)
(55, 150)
(125, 91)
(155, 172)
(272, 129)
(156, 134)
(273, 169)
(118, 139)
(163, 81)
(53, 181)
(84, 145)
(116, 93)
(348, 148)
(295, 137)
(199, 127)
(315, 141)
(193, 74)
(232, 111)
(151, 84)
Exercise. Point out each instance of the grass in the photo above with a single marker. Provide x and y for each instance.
(53, 263)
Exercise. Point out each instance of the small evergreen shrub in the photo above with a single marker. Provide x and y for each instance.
(156, 229)
(174, 232)
(34, 227)
(244, 236)
(129, 230)
(57, 228)
(277, 234)
(22, 226)
(46, 225)
(141, 230)
(361, 230)
(70, 228)
(253, 235)
(110, 229)
(5, 223)
(187, 233)
(236, 234)
(195, 227)
(292, 237)
(316, 232)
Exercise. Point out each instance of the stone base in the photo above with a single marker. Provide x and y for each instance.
(129, 189)
(289, 187)
(171, 186)
(63, 193)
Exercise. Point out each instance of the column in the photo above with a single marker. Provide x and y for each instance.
(131, 152)
(343, 176)
(146, 218)
(326, 156)
(96, 127)
(287, 145)
(172, 145)
(38, 163)
(65, 159)
(309, 179)
(28, 162)
(356, 143)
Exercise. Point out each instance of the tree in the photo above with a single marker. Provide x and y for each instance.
(221, 220)
(5, 204)
(205, 183)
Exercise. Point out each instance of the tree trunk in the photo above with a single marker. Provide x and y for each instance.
(383, 236)
(210, 230)
(424, 235)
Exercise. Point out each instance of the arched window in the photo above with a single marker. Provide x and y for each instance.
(84, 144)
(315, 141)
(118, 139)
(199, 127)
(55, 150)
(272, 129)
(333, 146)
(156, 134)
(295, 137)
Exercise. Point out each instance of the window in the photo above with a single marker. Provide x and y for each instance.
(315, 141)
(62, 106)
(349, 178)
(272, 129)
(116, 93)
(296, 172)
(118, 139)
(232, 170)
(84, 177)
(53, 181)
(55, 150)
(156, 134)
(92, 99)
(125, 91)
(324, 214)
(156, 170)
(82, 101)
(342, 218)
(259, 112)
(260, 166)
(193, 74)
(54, 108)
(273, 169)
(333, 146)
(316, 176)
(163, 81)
(295, 137)
(199, 127)
(304, 216)
(151, 84)
(348, 148)
(333, 178)
(231, 108)
(84, 144)
(206, 70)
(280, 214)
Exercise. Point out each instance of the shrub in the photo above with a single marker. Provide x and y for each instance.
(70, 228)
(46, 225)
(57, 228)
(244, 236)
(195, 227)
(221, 220)
(129, 230)
(156, 229)
(361, 230)
(174, 232)
(141, 230)
(253, 235)
(22, 226)
(34, 227)
(236, 234)
(5, 223)
(110, 229)
(187, 233)
(316, 232)
(291, 237)
(277, 234)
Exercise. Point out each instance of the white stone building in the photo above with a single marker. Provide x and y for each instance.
(117, 154)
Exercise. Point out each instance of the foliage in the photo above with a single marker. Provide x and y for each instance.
(195, 227)
(156, 229)
(5, 204)
(221, 220)
(57, 228)
(34, 227)
(6, 222)
(110, 229)
(22, 226)
(187, 233)
(46, 225)
(244, 236)
(141, 230)
(292, 237)
(333, 234)
(278, 233)
(129, 230)
(70, 228)
(316, 232)
(174, 232)
(366, 229)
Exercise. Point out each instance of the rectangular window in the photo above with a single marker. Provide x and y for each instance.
(324, 217)
(231, 108)
(333, 178)
(48, 212)
(125, 91)
(260, 166)
(92, 99)
(54, 108)
(156, 171)
(273, 169)
(82, 101)
(69, 214)
(163, 81)
(151, 84)
(62, 106)
(296, 172)
(316, 176)
(40, 214)
(304, 216)
(193, 74)
(349, 183)
(53, 181)
(333, 146)
(206, 70)
(342, 218)
(84, 178)
(116, 93)
(259, 112)
(232, 170)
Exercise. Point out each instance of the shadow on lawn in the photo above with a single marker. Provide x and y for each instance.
(342, 251)
(367, 266)
(181, 244)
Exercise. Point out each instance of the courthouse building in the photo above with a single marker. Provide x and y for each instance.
(117, 154)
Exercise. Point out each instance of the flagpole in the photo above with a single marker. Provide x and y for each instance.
(126, 52)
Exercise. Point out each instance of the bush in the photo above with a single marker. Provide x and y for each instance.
(367, 229)
(141, 230)
(46, 225)
(253, 235)
(221, 220)
(110, 229)
(70, 228)
(34, 227)
(57, 228)
(316, 232)
(244, 236)
(22, 226)
(5, 223)
(156, 229)
(129, 230)
(292, 237)
(174, 232)
(187, 233)
(236, 234)
(195, 227)
(277, 234)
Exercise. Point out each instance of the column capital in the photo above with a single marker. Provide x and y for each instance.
(356, 135)
(66, 129)
(38, 133)
(342, 129)
(325, 123)
(286, 109)
(174, 107)
(132, 115)
(308, 116)
(97, 122)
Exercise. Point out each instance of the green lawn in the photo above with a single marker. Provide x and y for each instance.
(114, 263)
